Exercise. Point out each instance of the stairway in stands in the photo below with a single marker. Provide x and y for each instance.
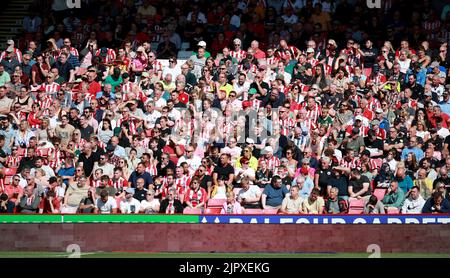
(11, 20)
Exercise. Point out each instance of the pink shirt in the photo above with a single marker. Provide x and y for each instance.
(235, 209)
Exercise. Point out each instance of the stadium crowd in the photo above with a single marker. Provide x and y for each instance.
(280, 107)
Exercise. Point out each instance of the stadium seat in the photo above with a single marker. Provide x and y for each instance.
(270, 211)
(192, 211)
(254, 211)
(216, 203)
(185, 45)
(356, 206)
(212, 211)
(393, 210)
(379, 192)
(184, 55)
(10, 171)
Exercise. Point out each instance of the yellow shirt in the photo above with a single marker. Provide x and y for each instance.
(227, 88)
(253, 163)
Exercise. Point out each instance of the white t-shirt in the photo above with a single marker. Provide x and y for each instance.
(132, 206)
(193, 162)
(146, 204)
(105, 207)
(252, 192)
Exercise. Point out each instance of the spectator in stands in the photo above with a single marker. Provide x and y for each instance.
(394, 196)
(359, 186)
(436, 204)
(29, 202)
(373, 206)
(150, 204)
(74, 194)
(195, 195)
(128, 204)
(171, 205)
(250, 195)
(314, 204)
(273, 194)
(105, 204)
(231, 206)
(334, 204)
(414, 203)
(292, 203)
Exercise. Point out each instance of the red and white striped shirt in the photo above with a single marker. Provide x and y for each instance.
(132, 125)
(349, 164)
(127, 88)
(74, 51)
(14, 160)
(238, 55)
(183, 182)
(17, 53)
(96, 183)
(373, 104)
(286, 125)
(157, 66)
(152, 170)
(272, 163)
(120, 183)
(195, 197)
(272, 61)
(51, 88)
(110, 56)
(45, 103)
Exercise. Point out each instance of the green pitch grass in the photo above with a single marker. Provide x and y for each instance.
(214, 255)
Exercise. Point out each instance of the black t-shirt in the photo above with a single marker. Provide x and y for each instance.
(86, 132)
(224, 172)
(376, 144)
(86, 201)
(341, 183)
(140, 194)
(204, 182)
(358, 185)
(325, 176)
(88, 163)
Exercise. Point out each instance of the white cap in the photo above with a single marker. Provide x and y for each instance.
(8, 42)
(310, 50)
(250, 141)
(140, 49)
(201, 44)
(379, 111)
(237, 41)
(268, 149)
(359, 117)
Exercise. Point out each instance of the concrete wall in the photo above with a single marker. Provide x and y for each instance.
(224, 237)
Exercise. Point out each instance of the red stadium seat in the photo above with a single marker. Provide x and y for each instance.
(270, 211)
(254, 211)
(10, 171)
(212, 211)
(216, 203)
(379, 192)
(192, 211)
(393, 210)
(356, 206)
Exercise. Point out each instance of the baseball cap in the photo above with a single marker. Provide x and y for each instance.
(365, 152)
(140, 49)
(379, 111)
(332, 42)
(310, 50)
(428, 94)
(280, 76)
(434, 64)
(9, 42)
(252, 91)
(375, 122)
(304, 171)
(236, 41)
(201, 44)
(359, 118)
(250, 141)
(129, 190)
(244, 160)
(268, 149)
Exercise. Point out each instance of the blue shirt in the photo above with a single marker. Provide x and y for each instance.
(306, 189)
(405, 184)
(135, 176)
(275, 196)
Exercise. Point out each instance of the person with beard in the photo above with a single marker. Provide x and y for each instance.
(164, 164)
